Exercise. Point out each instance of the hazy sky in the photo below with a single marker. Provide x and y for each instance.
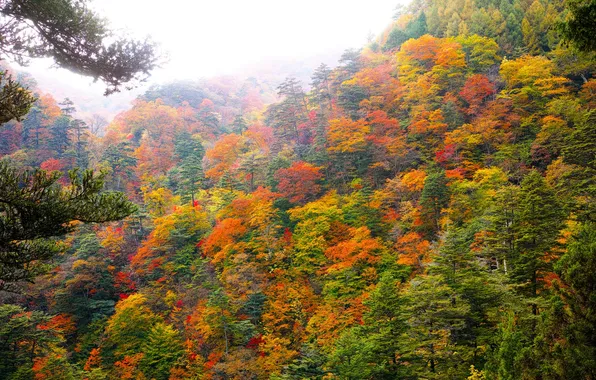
(205, 38)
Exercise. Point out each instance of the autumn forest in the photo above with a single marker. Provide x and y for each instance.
(424, 210)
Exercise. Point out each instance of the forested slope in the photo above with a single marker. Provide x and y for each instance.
(425, 210)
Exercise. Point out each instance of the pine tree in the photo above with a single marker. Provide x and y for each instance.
(15, 101)
(434, 197)
(540, 220)
(190, 176)
(34, 210)
(577, 268)
(163, 349)
(60, 133)
(80, 131)
(436, 314)
(469, 275)
(385, 323)
(352, 356)
(309, 365)
(239, 125)
(76, 38)
(321, 88)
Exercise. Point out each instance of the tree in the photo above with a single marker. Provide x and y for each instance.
(128, 329)
(579, 27)
(577, 268)
(22, 337)
(76, 38)
(60, 135)
(321, 87)
(299, 182)
(35, 210)
(436, 315)
(539, 222)
(188, 174)
(15, 100)
(162, 349)
(385, 323)
(434, 197)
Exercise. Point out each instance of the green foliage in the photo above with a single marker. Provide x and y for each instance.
(163, 349)
(538, 225)
(75, 38)
(579, 28)
(35, 209)
(309, 365)
(130, 326)
(15, 100)
(23, 339)
(188, 176)
(434, 197)
(436, 315)
(351, 358)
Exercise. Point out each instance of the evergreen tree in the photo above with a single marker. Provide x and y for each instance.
(434, 197)
(309, 365)
(580, 26)
(352, 356)
(34, 210)
(321, 87)
(239, 125)
(76, 38)
(189, 176)
(577, 268)
(540, 220)
(21, 339)
(31, 127)
(60, 135)
(385, 324)
(163, 349)
(470, 276)
(436, 315)
(80, 140)
(15, 101)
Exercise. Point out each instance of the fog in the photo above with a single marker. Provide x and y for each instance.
(202, 39)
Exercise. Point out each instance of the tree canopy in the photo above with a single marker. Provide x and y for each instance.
(76, 38)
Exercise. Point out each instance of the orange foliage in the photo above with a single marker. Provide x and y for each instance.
(413, 250)
(94, 359)
(429, 122)
(223, 155)
(51, 110)
(112, 238)
(223, 238)
(154, 250)
(423, 49)
(52, 164)
(60, 323)
(127, 368)
(361, 248)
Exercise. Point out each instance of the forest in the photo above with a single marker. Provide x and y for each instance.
(424, 210)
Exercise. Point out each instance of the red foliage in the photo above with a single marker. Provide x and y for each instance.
(254, 342)
(52, 165)
(287, 235)
(299, 182)
(446, 154)
(475, 91)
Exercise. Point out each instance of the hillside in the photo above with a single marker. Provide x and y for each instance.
(424, 210)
